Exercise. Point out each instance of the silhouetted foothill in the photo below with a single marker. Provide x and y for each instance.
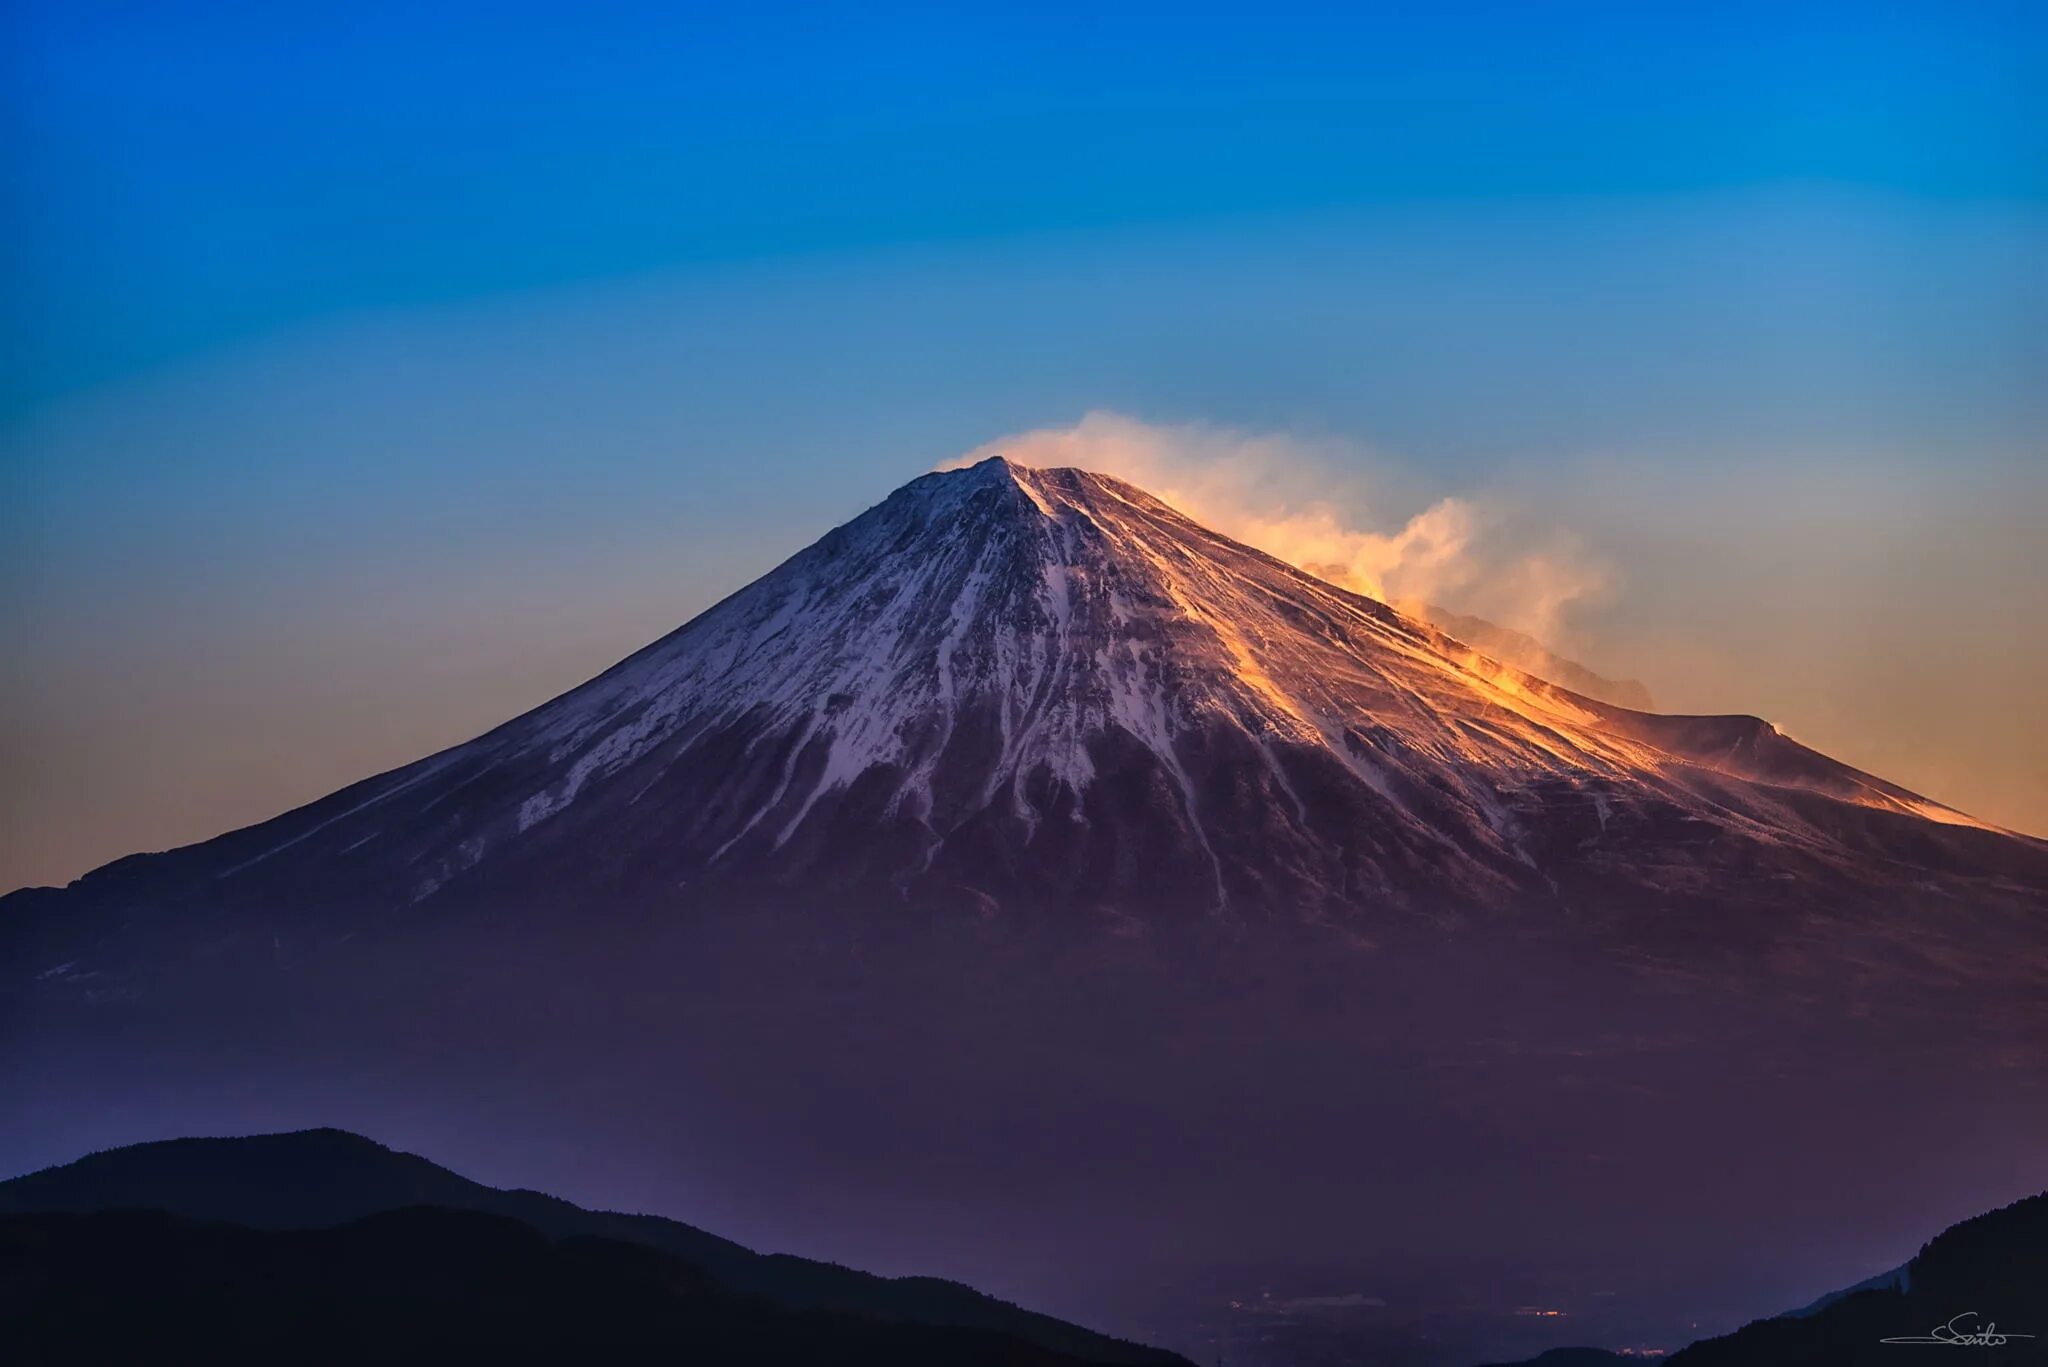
(325, 1246)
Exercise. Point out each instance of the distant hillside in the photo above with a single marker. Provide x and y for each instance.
(1572, 1357)
(419, 1285)
(317, 1179)
(1985, 1272)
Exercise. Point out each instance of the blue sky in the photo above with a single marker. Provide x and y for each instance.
(374, 372)
(187, 175)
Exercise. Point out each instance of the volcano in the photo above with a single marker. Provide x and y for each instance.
(1027, 884)
(1045, 695)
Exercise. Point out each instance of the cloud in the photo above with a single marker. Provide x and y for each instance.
(1306, 502)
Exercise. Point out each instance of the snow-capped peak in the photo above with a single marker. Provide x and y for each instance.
(1047, 688)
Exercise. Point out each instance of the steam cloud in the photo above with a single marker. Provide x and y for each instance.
(1294, 499)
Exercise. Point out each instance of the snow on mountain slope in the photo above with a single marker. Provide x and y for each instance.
(1048, 693)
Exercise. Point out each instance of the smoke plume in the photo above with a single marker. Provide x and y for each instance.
(1296, 499)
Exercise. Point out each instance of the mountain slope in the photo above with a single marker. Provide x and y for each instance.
(1520, 651)
(322, 1179)
(418, 1285)
(1043, 693)
(1985, 1276)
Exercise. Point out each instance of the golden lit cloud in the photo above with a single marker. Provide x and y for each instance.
(1293, 499)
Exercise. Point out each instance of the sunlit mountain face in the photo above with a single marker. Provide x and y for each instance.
(1026, 883)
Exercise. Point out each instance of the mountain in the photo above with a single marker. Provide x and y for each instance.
(370, 1199)
(1026, 880)
(419, 1285)
(1894, 1280)
(1519, 650)
(1045, 696)
(1996, 1263)
(1986, 1276)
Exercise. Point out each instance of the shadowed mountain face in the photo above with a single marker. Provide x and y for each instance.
(1981, 1285)
(420, 1285)
(1043, 694)
(322, 1179)
(1571, 1357)
(1996, 1263)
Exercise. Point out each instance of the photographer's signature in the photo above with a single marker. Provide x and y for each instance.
(1958, 1333)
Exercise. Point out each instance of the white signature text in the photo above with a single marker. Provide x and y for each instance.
(1958, 1333)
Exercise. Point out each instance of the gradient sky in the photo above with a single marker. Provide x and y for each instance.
(373, 374)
